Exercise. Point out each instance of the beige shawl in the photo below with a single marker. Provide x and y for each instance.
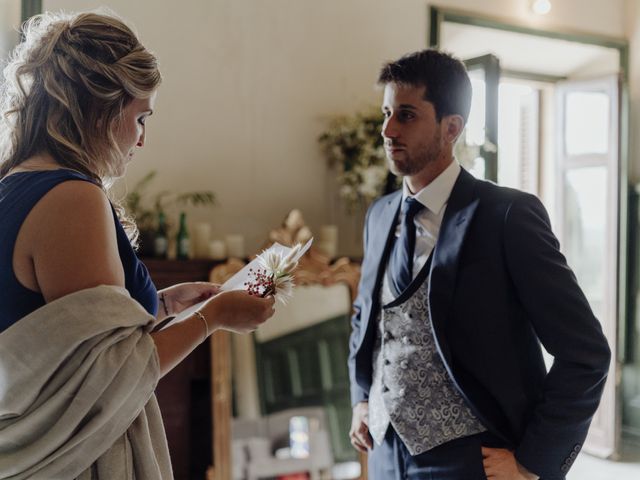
(76, 392)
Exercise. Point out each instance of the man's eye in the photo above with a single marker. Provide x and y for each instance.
(404, 116)
(141, 120)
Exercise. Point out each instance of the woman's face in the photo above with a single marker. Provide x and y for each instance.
(130, 131)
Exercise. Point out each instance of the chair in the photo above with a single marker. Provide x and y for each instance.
(255, 443)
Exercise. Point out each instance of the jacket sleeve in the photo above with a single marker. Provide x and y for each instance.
(562, 318)
(358, 394)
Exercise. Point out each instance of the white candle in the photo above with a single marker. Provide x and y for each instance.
(202, 232)
(217, 250)
(329, 240)
(235, 245)
(328, 248)
(329, 233)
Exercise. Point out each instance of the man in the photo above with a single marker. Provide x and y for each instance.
(461, 281)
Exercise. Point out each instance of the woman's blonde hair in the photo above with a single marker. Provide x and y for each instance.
(66, 85)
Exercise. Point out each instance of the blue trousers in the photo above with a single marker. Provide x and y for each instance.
(459, 459)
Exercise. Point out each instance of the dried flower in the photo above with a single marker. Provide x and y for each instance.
(276, 275)
(468, 154)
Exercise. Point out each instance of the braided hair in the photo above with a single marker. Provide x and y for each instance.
(65, 88)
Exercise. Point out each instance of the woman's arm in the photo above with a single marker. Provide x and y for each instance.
(236, 311)
(70, 239)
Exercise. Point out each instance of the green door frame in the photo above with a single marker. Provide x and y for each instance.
(437, 15)
(490, 66)
(30, 8)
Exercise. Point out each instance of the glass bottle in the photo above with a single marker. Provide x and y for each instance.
(161, 241)
(182, 239)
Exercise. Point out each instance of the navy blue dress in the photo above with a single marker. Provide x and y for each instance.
(19, 193)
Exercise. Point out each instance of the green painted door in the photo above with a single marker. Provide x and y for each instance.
(309, 368)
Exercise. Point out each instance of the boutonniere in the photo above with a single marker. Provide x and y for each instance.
(274, 275)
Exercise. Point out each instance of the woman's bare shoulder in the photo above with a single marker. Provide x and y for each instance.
(73, 240)
(72, 204)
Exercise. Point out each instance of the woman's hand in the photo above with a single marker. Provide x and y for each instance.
(176, 298)
(237, 311)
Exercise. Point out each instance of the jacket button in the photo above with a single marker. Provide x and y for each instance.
(387, 361)
(405, 339)
(385, 389)
(404, 364)
(401, 392)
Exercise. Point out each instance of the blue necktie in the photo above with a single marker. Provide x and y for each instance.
(401, 261)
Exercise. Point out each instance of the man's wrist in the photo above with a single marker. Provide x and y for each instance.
(525, 472)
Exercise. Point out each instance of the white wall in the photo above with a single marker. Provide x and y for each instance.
(249, 84)
(10, 13)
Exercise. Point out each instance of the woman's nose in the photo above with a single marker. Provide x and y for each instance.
(141, 139)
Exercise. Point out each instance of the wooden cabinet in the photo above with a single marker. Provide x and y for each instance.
(169, 272)
(184, 394)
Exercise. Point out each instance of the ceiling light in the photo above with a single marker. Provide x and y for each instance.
(541, 7)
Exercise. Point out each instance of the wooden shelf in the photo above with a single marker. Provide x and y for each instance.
(169, 272)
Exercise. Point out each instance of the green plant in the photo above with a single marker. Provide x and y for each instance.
(137, 205)
(354, 147)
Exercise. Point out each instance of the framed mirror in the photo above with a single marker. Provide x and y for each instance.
(289, 380)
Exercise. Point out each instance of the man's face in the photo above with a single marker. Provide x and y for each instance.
(412, 136)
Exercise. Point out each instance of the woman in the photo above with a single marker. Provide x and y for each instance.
(79, 356)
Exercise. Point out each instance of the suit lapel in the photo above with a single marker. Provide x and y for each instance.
(381, 239)
(383, 235)
(459, 213)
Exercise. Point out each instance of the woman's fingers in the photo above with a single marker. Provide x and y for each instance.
(205, 289)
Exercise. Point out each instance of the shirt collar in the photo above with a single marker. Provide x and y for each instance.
(435, 195)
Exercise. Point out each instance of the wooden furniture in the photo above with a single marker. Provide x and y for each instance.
(184, 394)
(169, 272)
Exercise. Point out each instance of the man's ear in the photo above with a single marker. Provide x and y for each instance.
(452, 128)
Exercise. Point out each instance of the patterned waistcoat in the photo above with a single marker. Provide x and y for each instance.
(411, 388)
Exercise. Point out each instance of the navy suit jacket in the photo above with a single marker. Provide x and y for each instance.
(498, 287)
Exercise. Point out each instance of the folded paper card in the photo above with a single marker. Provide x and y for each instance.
(245, 279)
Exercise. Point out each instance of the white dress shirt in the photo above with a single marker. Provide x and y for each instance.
(434, 197)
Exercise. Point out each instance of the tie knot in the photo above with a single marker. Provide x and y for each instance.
(410, 207)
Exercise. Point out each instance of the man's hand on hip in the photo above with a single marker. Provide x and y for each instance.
(500, 464)
(359, 433)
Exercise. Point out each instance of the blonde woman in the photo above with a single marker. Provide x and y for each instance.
(80, 359)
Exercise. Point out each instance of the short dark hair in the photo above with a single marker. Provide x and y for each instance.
(445, 77)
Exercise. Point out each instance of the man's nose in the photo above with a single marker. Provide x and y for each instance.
(389, 129)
